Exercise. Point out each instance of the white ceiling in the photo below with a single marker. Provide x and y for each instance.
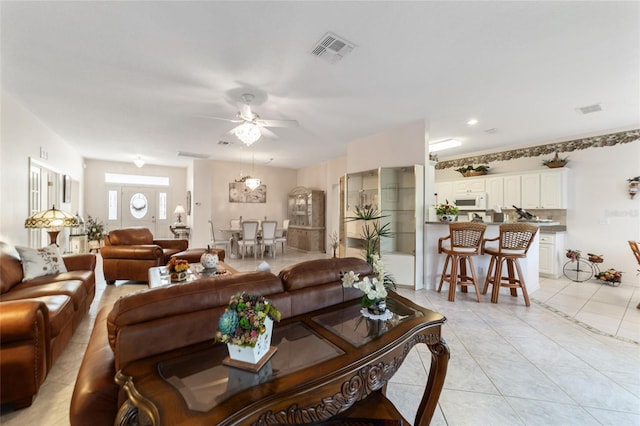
(122, 79)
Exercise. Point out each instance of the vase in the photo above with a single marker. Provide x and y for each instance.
(375, 306)
(178, 276)
(447, 218)
(253, 355)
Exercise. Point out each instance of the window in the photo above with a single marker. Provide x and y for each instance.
(136, 179)
(113, 205)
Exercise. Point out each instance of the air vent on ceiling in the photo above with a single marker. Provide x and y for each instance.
(332, 48)
(192, 155)
(589, 109)
(224, 143)
(491, 130)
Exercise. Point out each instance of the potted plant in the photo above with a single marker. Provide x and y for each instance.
(95, 232)
(555, 162)
(468, 171)
(246, 326)
(375, 289)
(178, 269)
(371, 230)
(447, 212)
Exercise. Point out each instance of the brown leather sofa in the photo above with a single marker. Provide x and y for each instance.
(128, 253)
(161, 319)
(37, 319)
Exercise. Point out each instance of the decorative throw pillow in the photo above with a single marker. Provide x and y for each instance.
(41, 262)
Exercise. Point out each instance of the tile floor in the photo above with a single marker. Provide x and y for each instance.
(571, 358)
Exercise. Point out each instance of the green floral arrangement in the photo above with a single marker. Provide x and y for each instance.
(95, 229)
(447, 208)
(466, 169)
(243, 319)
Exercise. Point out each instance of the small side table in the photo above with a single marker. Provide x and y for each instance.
(180, 232)
(78, 243)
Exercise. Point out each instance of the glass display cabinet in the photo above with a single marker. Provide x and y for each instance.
(306, 210)
(397, 193)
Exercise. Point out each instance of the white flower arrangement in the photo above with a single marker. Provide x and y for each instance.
(374, 288)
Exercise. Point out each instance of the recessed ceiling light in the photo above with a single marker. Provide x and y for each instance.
(472, 122)
(445, 144)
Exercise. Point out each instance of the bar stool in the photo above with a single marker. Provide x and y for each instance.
(514, 242)
(466, 238)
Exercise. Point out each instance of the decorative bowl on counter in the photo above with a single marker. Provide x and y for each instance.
(447, 218)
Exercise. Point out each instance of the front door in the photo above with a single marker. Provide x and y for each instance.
(139, 208)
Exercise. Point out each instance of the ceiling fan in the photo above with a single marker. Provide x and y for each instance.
(252, 127)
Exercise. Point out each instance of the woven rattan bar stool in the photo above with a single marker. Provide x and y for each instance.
(465, 240)
(514, 242)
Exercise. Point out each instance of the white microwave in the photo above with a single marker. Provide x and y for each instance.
(471, 201)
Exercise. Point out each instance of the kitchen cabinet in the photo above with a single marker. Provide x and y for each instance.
(475, 184)
(545, 190)
(444, 191)
(551, 252)
(398, 194)
(494, 187)
(539, 189)
(511, 185)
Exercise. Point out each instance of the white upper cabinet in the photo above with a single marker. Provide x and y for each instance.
(476, 184)
(544, 189)
(511, 187)
(530, 191)
(494, 187)
(444, 191)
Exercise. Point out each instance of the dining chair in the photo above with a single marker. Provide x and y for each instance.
(249, 238)
(464, 239)
(235, 223)
(269, 237)
(513, 244)
(221, 241)
(282, 238)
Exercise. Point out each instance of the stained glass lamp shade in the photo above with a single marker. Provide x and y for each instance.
(53, 220)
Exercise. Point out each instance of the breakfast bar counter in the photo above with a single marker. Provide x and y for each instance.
(434, 262)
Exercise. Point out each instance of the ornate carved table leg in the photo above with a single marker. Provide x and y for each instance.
(437, 372)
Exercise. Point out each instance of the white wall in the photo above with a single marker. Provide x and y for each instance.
(601, 217)
(211, 180)
(96, 202)
(21, 137)
(397, 147)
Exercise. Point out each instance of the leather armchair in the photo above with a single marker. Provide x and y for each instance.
(128, 253)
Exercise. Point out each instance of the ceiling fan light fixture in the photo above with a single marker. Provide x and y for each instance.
(139, 162)
(248, 133)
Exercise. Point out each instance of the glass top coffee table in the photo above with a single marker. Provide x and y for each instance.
(325, 362)
(159, 276)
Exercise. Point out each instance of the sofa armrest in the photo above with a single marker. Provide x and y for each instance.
(80, 262)
(95, 395)
(147, 251)
(24, 333)
(180, 245)
(23, 320)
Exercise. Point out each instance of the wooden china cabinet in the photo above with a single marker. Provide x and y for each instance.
(306, 210)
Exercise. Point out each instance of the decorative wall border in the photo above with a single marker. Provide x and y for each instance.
(535, 151)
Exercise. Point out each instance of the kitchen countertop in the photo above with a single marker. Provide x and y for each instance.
(545, 227)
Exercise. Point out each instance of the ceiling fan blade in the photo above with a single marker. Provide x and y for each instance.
(277, 123)
(234, 120)
(268, 133)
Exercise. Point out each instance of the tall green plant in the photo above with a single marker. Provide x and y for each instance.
(372, 231)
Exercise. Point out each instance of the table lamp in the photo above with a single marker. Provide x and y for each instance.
(53, 220)
(179, 211)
